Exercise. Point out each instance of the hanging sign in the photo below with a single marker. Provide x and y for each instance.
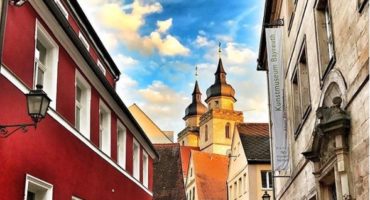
(276, 92)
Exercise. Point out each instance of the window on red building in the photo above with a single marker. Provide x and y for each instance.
(136, 160)
(104, 129)
(145, 169)
(121, 145)
(46, 63)
(38, 189)
(82, 106)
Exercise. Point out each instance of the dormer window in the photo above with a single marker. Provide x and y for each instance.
(83, 40)
(62, 8)
(101, 67)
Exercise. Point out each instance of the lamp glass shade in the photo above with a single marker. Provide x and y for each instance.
(37, 104)
(266, 196)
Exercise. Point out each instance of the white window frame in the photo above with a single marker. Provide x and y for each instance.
(268, 184)
(101, 67)
(105, 128)
(50, 66)
(83, 40)
(121, 144)
(85, 104)
(136, 160)
(33, 183)
(76, 198)
(145, 169)
(62, 8)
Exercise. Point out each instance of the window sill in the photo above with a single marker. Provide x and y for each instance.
(304, 119)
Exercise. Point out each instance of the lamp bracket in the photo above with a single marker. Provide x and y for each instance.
(7, 130)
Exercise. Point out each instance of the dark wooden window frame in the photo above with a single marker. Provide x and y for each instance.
(324, 68)
(304, 112)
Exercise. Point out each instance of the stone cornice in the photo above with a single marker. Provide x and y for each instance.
(221, 114)
(193, 129)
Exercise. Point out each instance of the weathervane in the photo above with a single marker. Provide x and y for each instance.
(196, 72)
(219, 49)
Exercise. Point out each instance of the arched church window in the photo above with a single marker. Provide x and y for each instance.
(227, 130)
(206, 133)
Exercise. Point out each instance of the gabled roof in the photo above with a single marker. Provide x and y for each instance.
(155, 134)
(255, 140)
(168, 179)
(210, 175)
(185, 152)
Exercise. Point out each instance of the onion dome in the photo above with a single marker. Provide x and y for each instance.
(220, 87)
(196, 107)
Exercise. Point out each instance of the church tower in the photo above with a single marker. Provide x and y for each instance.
(211, 129)
(189, 136)
(217, 124)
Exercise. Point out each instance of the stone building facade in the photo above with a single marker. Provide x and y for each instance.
(326, 60)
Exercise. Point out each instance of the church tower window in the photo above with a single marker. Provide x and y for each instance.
(227, 130)
(206, 133)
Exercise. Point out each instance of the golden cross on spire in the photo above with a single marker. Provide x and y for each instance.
(196, 72)
(219, 49)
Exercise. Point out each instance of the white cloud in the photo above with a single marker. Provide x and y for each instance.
(125, 20)
(164, 105)
(224, 38)
(239, 54)
(124, 62)
(234, 54)
(202, 32)
(169, 45)
(202, 41)
(163, 26)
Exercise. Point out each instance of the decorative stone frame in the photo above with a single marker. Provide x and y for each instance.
(328, 147)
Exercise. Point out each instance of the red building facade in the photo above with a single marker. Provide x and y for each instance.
(88, 146)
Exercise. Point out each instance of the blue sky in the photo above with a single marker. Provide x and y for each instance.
(157, 44)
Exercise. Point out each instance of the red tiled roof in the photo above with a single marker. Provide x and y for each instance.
(185, 158)
(211, 175)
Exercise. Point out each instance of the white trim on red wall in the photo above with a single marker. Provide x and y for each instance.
(51, 63)
(71, 49)
(57, 117)
(121, 144)
(86, 104)
(104, 128)
(136, 159)
(39, 187)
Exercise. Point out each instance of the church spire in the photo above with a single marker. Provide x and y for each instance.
(220, 74)
(220, 87)
(196, 107)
